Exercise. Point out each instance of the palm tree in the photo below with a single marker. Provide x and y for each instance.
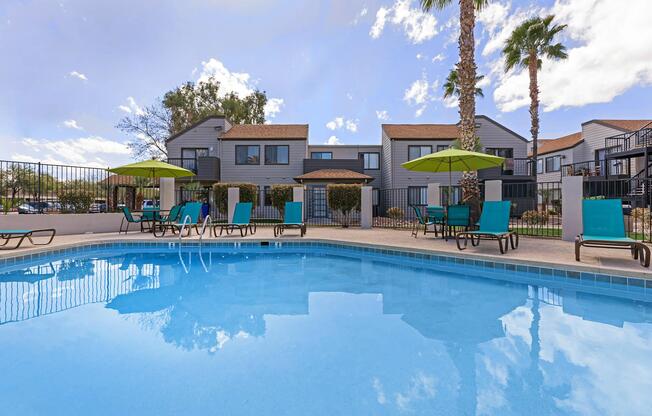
(452, 88)
(527, 44)
(466, 70)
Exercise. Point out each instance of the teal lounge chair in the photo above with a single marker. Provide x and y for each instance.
(129, 218)
(190, 214)
(241, 221)
(494, 225)
(168, 222)
(421, 221)
(292, 219)
(7, 235)
(457, 216)
(603, 226)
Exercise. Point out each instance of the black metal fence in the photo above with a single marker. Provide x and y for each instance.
(318, 210)
(536, 208)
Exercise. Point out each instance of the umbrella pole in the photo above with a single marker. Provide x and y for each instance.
(450, 181)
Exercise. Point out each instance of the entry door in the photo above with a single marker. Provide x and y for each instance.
(318, 202)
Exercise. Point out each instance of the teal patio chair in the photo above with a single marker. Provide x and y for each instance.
(167, 222)
(457, 216)
(241, 221)
(603, 226)
(494, 225)
(437, 214)
(421, 221)
(190, 215)
(7, 235)
(292, 219)
(129, 219)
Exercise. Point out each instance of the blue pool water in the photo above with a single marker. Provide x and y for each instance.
(312, 331)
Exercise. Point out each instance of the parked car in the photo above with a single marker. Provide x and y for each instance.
(148, 203)
(29, 208)
(97, 207)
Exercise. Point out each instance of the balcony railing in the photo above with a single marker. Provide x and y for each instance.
(207, 168)
(512, 167)
(629, 141)
(184, 162)
(601, 168)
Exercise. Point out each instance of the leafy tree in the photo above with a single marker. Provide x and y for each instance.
(344, 198)
(466, 71)
(17, 180)
(452, 88)
(528, 43)
(182, 107)
(280, 194)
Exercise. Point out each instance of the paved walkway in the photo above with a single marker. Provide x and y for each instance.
(533, 251)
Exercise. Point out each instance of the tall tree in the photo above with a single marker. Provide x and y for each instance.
(528, 43)
(452, 85)
(466, 70)
(182, 107)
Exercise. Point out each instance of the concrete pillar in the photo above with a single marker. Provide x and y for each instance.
(433, 197)
(366, 207)
(493, 190)
(572, 193)
(298, 196)
(233, 198)
(166, 192)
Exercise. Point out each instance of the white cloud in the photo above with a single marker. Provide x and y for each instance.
(91, 151)
(438, 58)
(339, 122)
(450, 102)
(382, 115)
(72, 124)
(131, 107)
(360, 15)
(417, 25)
(78, 75)
(421, 93)
(333, 140)
(605, 59)
(352, 125)
(349, 96)
(237, 82)
(419, 56)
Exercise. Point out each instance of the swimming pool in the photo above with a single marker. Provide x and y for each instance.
(315, 329)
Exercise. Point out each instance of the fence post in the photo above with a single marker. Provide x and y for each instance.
(166, 192)
(298, 196)
(493, 190)
(572, 193)
(366, 207)
(233, 198)
(433, 197)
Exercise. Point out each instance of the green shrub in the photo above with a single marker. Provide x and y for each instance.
(280, 194)
(535, 217)
(395, 213)
(344, 198)
(248, 193)
(75, 201)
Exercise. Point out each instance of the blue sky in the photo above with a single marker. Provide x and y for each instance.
(73, 68)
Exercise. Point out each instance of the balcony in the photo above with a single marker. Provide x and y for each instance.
(600, 170)
(206, 168)
(514, 169)
(628, 145)
(311, 165)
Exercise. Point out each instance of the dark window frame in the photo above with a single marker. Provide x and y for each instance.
(420, 146)
(361, 156)
(442, 147)
(247, 146)
(321, 158)
(497, 149)
(551, 168)
(277, 145)
(540, 166)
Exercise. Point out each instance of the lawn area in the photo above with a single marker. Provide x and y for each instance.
(538, 231)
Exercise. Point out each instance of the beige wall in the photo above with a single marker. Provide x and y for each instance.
(65, 223)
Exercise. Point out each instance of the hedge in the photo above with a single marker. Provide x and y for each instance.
(344, 198)
(248, 193)
(280, 194)
(75, 201)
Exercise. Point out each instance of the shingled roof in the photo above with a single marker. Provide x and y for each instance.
(334, 174)
(267, 132)
(626, 125)
(421, 131)
(561, 143)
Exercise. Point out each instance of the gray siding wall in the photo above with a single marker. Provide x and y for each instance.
(567, 159)
(351, 152)
(202, 136)
(262, 174)
(492, 135)
(386, 162)
(402, 178)
(593, 135)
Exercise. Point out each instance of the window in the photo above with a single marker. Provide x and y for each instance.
(415, 152)
(417, 195)
(506, 152)
(277, 155)
(189, 157)
(441, 147)
(321, 155)
(371, 160)
(247, 155)
(539, 166)
(553, 164)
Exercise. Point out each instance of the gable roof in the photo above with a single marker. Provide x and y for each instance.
(494, 122)
(334, 174)
(421, 131)
(192, 126)
(561, 143)
(624, 125)
(266, 132)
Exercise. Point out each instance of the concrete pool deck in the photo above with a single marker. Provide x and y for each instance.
(532, 251)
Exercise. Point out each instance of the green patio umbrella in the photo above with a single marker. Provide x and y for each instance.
(152, 169)
(456, 160)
